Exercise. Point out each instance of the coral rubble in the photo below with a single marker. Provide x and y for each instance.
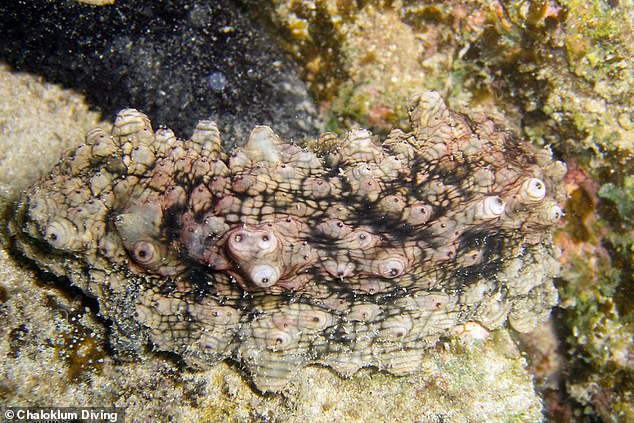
(277, 257)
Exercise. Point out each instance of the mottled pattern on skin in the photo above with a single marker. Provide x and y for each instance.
(278, 257)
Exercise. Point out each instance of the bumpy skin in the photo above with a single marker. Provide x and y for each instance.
(277, 258)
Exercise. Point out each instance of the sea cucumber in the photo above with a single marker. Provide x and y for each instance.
(278, 257)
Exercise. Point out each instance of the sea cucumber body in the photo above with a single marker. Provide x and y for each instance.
(278, 257)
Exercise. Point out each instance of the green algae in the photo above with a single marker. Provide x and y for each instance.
(622, 197)
(595, 291)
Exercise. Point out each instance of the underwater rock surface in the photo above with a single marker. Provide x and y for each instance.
(178, 61)
(278, 257)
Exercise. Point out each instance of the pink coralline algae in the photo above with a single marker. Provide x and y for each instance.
(277, 257)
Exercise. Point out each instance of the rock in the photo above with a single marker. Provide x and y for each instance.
(179, 62)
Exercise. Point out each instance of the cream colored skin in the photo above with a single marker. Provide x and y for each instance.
(276, 257)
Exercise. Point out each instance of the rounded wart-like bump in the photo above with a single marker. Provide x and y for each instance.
(484, 177)
(360, 172)
(164, 142)
(279, 340)
(96, 135)
(99, 182)
(200, 169)
(334, 228)
(78, 197)
(193, 239)
(168, 306)
(556, 170)
(286, 319)
(371, 286)
(223, 315)
(490, 208)
(264, 275)
(338, 211)
(228, 206)
(160, 180)
(544, 156)
(418, 213)
(391, 166)
(366, 188)
(360, 239)
(142, 158)
(392, 204)
(207, 137)
(284, 172)
(432, 301)
(389, 265)
(132, 122)
(174, 197)
(492, 314)
(218, 168)
(358, 147)
(364, 312)
(550, 213)
(145, 253)
(444, 228)
(396, 327)
(218, 184)
(80, 159)
(103, 147)
(215, 224)
(471, 257)
(340, 267)
(201, 199)
(244, 183)
(62, 234)
(313, 319)
(531, 191)
(316, 187)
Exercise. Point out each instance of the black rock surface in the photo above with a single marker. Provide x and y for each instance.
(178, 61)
